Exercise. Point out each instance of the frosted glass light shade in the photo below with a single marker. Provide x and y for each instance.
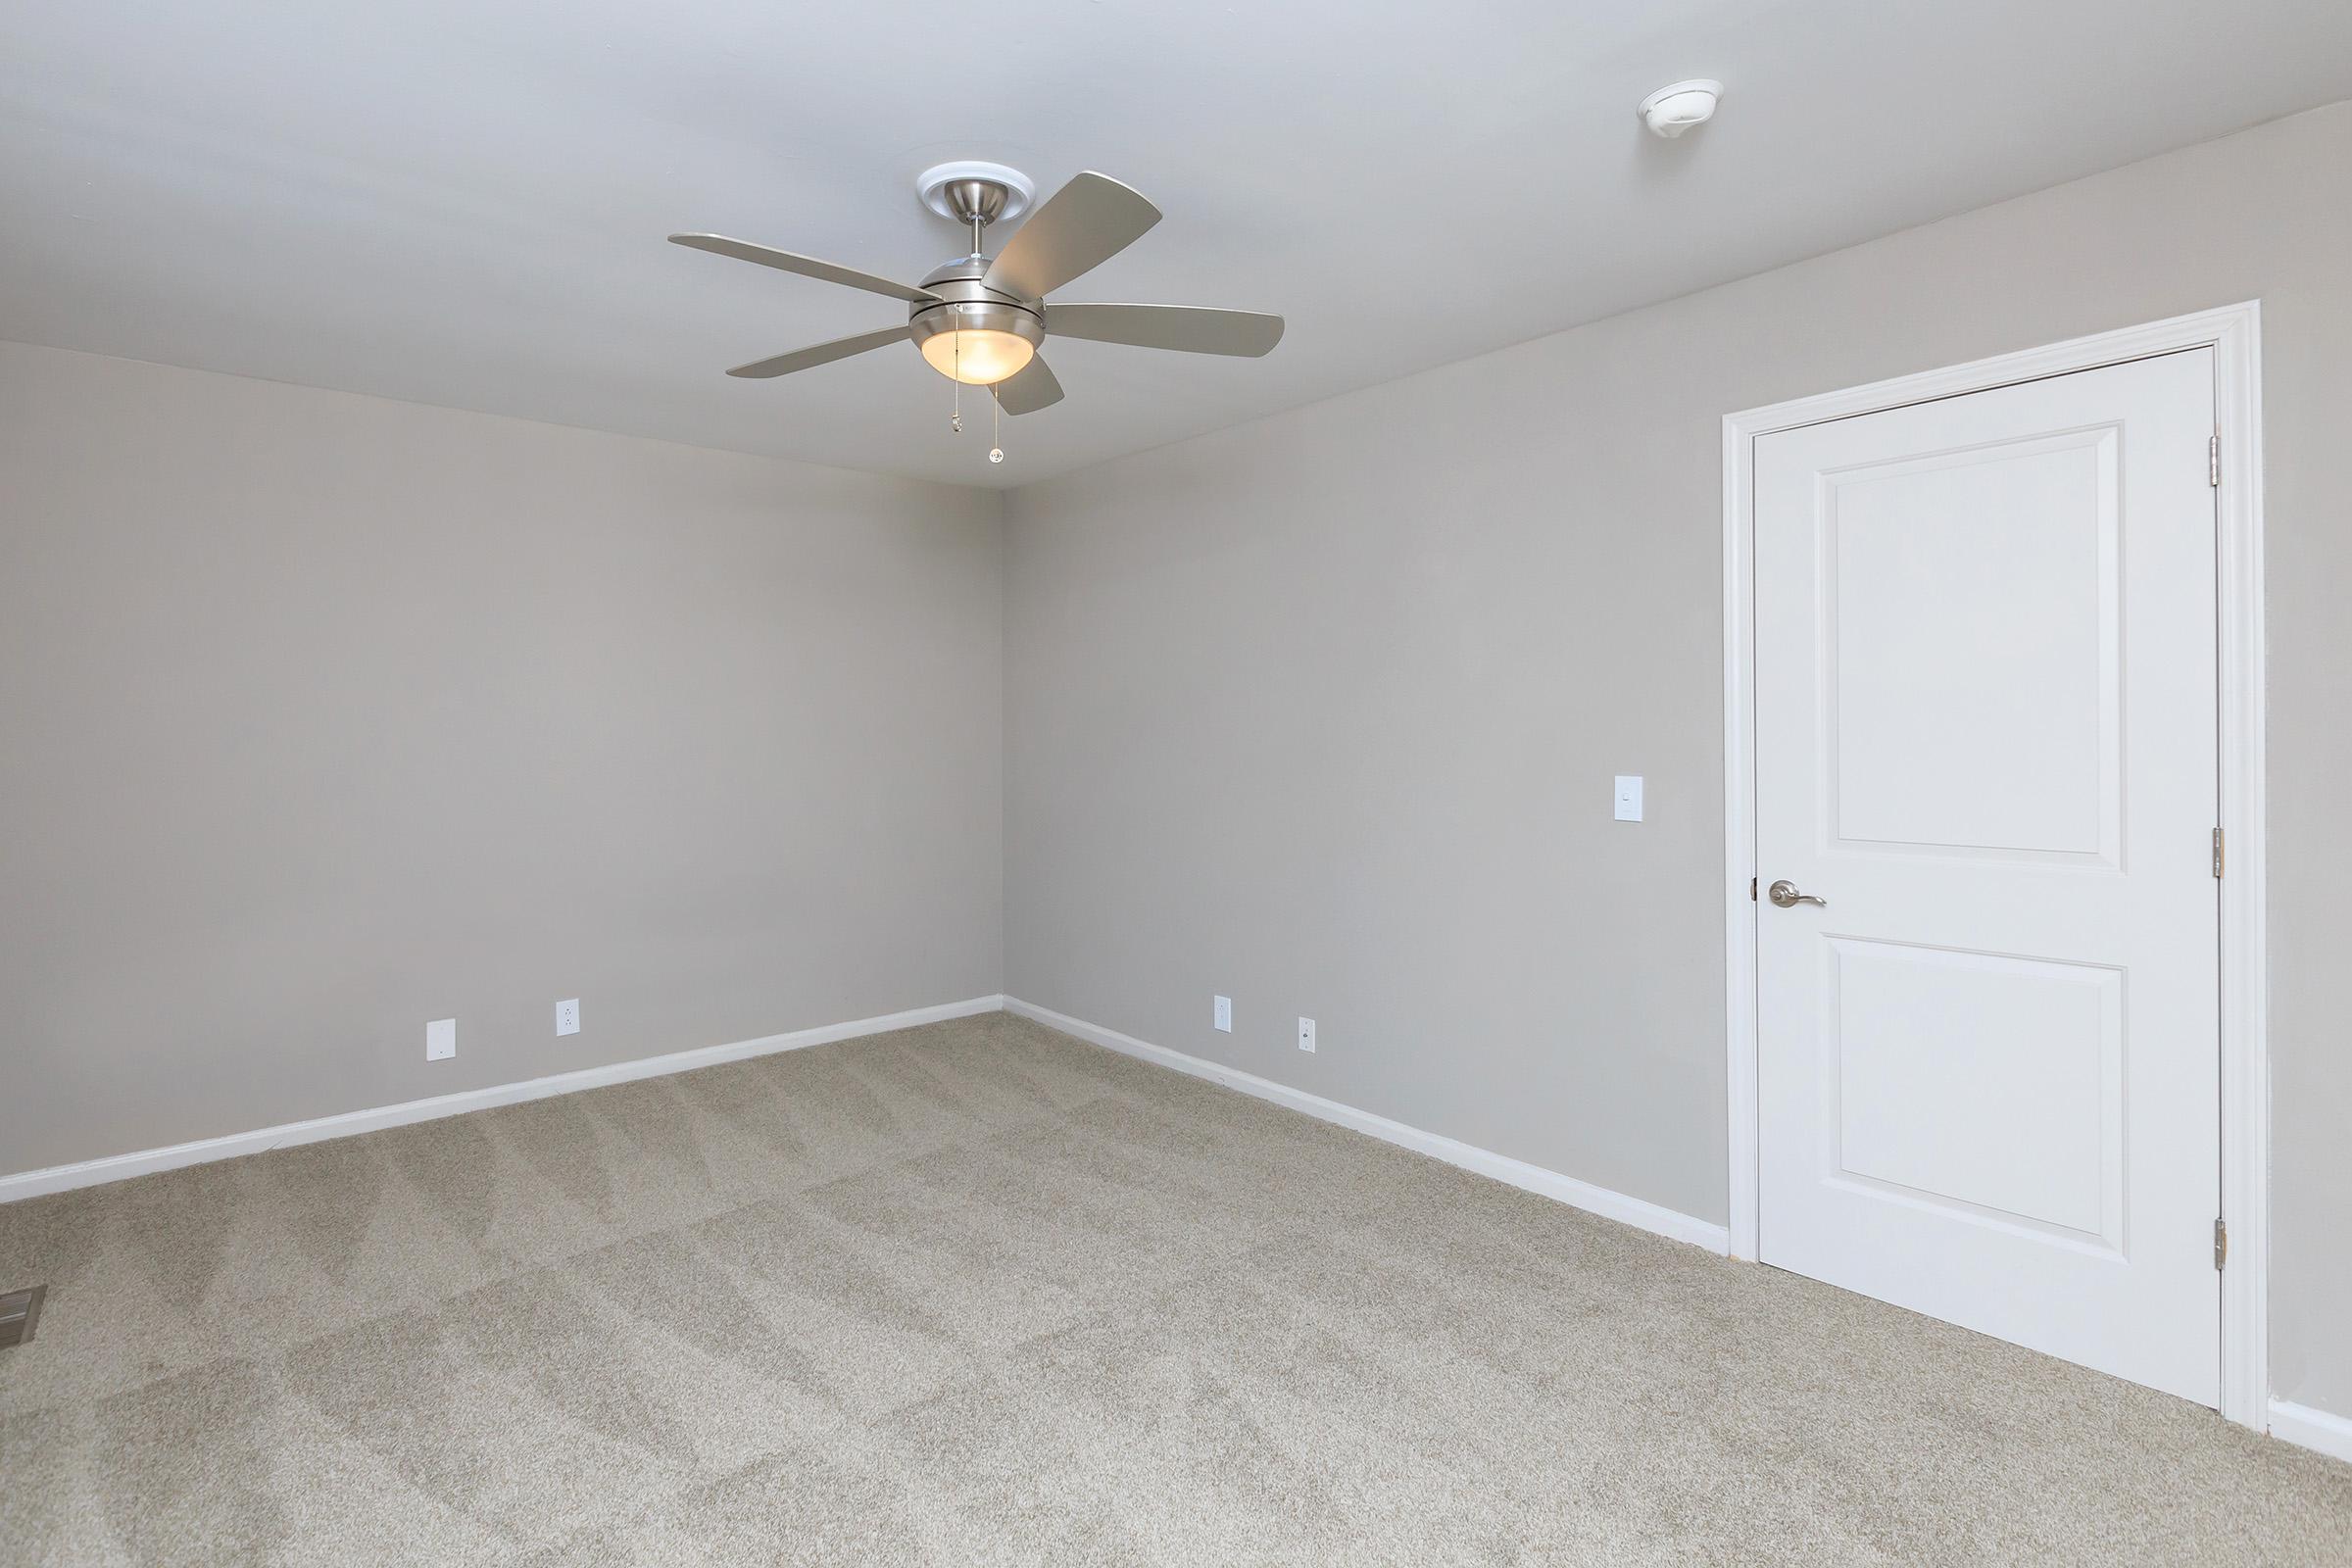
(978, 356)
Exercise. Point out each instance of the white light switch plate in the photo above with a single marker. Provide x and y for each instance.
(441, 1040)
(567, 1016)
(1224, 1014)
(1629, 797)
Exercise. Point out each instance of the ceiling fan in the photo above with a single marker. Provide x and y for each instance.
(979, 319)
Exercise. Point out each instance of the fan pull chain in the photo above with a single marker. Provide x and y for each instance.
(955, 412)
(996, 426)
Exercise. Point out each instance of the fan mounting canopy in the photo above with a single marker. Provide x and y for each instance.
(937, 185)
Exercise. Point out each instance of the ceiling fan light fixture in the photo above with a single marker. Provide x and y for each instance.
(980, 320)
(978, 356)
(977, 341)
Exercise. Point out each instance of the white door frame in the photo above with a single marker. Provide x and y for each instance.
(2235, 333)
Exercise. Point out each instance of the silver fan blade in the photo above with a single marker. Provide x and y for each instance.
(744, 250)
(1030, 389)
(1088, 221)
(841, 348)
(1190, 328)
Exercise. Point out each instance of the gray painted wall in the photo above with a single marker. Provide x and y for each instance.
(322, 715)
(1322, 711)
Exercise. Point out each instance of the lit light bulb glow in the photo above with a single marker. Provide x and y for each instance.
(978, 356)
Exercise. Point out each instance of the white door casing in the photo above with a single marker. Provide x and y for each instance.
(1985, 734)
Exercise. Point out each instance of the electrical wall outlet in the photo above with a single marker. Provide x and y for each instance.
(1306, 1034)
(1224, 1014)
(441, 1040)
(567, 1016)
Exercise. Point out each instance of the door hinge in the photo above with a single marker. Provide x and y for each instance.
(2221, 1243)
(2212, 462)
(2216, 852)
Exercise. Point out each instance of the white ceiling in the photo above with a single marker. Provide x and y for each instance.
(463, 202)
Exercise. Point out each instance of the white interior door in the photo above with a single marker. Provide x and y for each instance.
(1986, 710)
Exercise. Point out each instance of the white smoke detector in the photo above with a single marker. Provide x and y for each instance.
(1671, 111)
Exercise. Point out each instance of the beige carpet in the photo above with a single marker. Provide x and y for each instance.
(979, 1293)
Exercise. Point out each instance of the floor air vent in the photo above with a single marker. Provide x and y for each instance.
(20, 1312)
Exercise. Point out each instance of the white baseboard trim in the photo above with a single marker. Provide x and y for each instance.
(119, 1168)
(2320, 1429)
(1635, 1211)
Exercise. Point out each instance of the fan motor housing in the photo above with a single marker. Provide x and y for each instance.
(968, 305)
